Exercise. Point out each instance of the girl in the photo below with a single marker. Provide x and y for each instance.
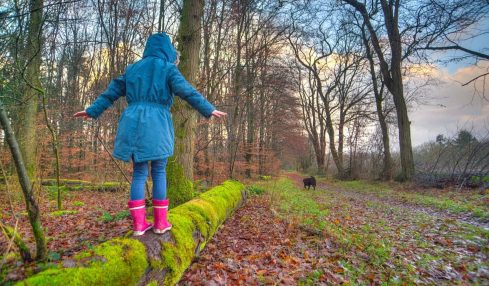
(145, 131)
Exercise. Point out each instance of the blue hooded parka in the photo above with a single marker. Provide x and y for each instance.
(145, 131)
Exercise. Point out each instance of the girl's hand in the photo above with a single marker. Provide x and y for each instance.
(218, 114)
(82, 114)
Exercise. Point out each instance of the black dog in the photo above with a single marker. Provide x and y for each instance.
(308, 182)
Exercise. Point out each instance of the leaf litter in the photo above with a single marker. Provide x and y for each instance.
(350, 239)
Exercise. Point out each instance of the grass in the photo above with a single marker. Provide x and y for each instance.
(383, 232)
(77, 185)
(63, 213)
(295, 205)
(300, 207)
(78, 204)
(311, 278)
(107, 217)
(441, 203)
(255, 190)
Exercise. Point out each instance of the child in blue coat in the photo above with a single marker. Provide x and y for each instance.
(145, 132)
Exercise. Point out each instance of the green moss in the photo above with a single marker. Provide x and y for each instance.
(115, 262)
(62, 213)
(201, 213)
(123, 261)
(265, 178)
(76, 185)
(204, 214)
(78, 204)
(50, 182)
(176, 257)
(152, 283)
(180, 189)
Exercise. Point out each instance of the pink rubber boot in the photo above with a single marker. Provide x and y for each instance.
(160, 208)
(138, 213)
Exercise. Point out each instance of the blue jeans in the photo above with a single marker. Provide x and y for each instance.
(140, 174)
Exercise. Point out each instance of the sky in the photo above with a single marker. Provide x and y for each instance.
(452, 106)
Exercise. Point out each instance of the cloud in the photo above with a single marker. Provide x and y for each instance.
(452, 106)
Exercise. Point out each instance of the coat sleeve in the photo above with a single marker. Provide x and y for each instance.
(180, 87)
(116, 89)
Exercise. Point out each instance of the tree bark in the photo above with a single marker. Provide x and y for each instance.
(161, 17)
(31, 59)
(233, 122)
(392, 75)
(180, 166)
(378, 92)
(250, 116)
(12, 234)
(26, 185)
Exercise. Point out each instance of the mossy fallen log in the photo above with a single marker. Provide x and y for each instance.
(114, 262)
(151, 259)
(76, 185)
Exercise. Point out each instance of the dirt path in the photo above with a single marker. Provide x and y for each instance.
(424, 238)
(462, 217)
(365, 239)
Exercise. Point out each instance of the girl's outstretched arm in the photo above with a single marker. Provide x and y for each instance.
(83, 114)
(218, 114)
(116, 89)
(180, 87)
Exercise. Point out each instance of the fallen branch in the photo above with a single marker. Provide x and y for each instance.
(14, 237)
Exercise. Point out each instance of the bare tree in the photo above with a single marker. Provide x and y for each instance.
(392, 73)
(29, 64)
(378, 90)
(410, 25)
(313, 115)
(26, 185)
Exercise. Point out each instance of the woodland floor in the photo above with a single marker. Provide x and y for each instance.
(350, 233)
(88, 218)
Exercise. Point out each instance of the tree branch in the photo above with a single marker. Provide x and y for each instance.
(460, 48)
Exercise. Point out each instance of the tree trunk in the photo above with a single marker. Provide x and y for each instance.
(233, 121)
(319, 152)
(31, 57)
(334, 153)
(12, 234)
(161, 17)
(330, 129)
(378, 92)
(387, 160)
(341, 136)
(180, 166)
(26, 185)
(404, 126)
(250, 134)
(392, 75)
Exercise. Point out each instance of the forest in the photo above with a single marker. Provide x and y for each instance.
(319, 168)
